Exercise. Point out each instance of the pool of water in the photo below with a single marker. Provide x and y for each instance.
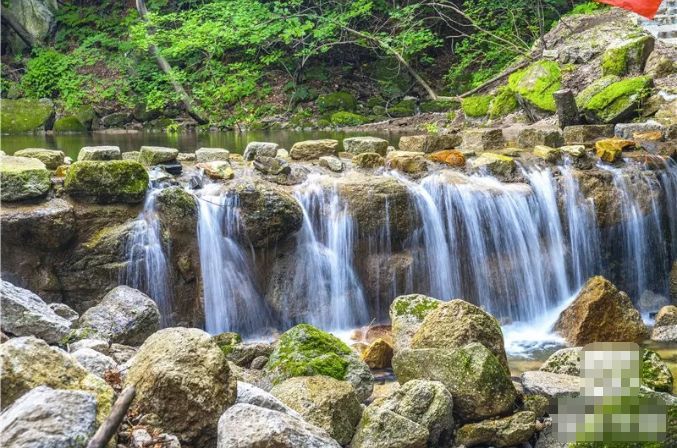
(234, 141)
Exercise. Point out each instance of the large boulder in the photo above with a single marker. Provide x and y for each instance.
(551, 385)
(534, 87)
(45, 226)
(182, 378)
(99, 153)
(260, 149)
(456, 323)
(566, 361)
(410, 162)
(26, 314)
(22, 178)
(323, 401)
(52, 158)
(428, 142)
(250, 394)
(627, 56)
(313, 149)
(154, 155)
(28, 362)
(305, 351)
(125, 315)
(360, 145)
(407, 314)
(476, 379)
(613, 101)
(95, 362)
(601, 313)
(666, 316)
(480, 140)
(49, 418)
(514, 430)
(248, 426)
(25, 115)
(106, 182)
(382, 428)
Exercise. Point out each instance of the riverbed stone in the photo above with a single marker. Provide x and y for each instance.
(409, 162)
(26, 314)
(407, 313)
(313, 149)
(272, 165)
(666, 316)
(183, 379)
(260, 149)
(615, 102)
(49, 418)
(52, 158)
(323, 401)
(332, 163)
(248, 426)
(106, 182)
(481, 139)
(587, 134)
(531, 137)
(429, 143)
(305, 351)
(550, 385)
(44, 226)
(368, 160)
(476, 379)
(25, 115)
(155, 155)
(217, 169)
(449, 157)
(211, 155)
(125, 315)
(378, 354)
(493, 163)
(99, 153)
(599, 313)
(547, 153)
(655, 372)
(382, 428)
(514, 430)
(22, 178)
(575, 151)
(94, 362)
(28, 362)
(65, 311)
(250, 394)
(359, 145)
(565, 361)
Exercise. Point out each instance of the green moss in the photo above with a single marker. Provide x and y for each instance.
(336, 101)
(24, 115)
(619, 96)
(22, 178)
(503, 103)
(69, 124)
(415, 305)
(537, 83)
(109, 181)
(177, 204)
(343, 118)
(476, 106)
(404, 108)
(618, 60)
(439, 105)
(655, 374)
(584, 96)
(305, 351)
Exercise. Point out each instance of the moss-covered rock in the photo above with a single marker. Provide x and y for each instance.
(406, 315)
(359, 145)
(217, 169)
(153, 155)
(428, 142)
(305, 351)
(23, 178)
(177, 206)
(476, 106)
(336, 101)
(99, 153)
(52, 158)
(381, 428)
(25, 115)
(616, 102)
(655, 373)
(345, 118)
(547, 153)
(106, 182)
(627, 56)
(69, 123)
(440, 105)
(503, 432)
(405, 108)
(503, 102)
(535, 85)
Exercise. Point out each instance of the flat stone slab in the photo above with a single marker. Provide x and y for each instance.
(100, 153)
(153, 155)
(212, 154)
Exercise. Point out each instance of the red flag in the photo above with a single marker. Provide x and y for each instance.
(646, 8)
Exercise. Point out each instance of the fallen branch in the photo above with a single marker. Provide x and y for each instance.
(110, 426)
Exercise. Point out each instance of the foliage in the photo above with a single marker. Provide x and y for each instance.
(588, 8)
(476, 106)
(343, 118)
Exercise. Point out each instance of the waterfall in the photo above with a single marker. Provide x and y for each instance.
(231, 299)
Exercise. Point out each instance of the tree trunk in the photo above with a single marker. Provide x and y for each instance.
(187, 101)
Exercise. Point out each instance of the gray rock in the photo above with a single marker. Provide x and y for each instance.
(141, 438)
(250, 394)
(38, 17)
(271, 165)
(212, 154)
(99, 153)
(125, 315)
(130, 155)
(566, 361)
(627, 131)
(666, 333)
(332, 163)
(116, 119)
(154, 155)
(65, 311)
(427, 142)
(587, 134)
(265, 149)
(531, 137)
(381, 428)
(99, 345)
(359, 145)
(23, 178)
(312, 149)
(259, 362)
(25, 314)
(514, 430)
(248, 426)
(186, 157)
(52, 158)
(480, 140)
(94, 361)
(567, 110)
(551, 385)
(48, 418)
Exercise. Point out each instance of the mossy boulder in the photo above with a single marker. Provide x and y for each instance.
(439, 105)
(25, 115)
(476, 106)
(368, 160)
(23, 178)
(535, 85)
(616, 102)
(547, 153)
(52, 158)
(514, 430)
(503, 103)
(655, 373)
(406, 315)
(345, 118)
(99, 153)
(380, 428)
(69, 123)
(477, 380)
(154, 155)
(628, 56)
(404, 108)
(306, 351)
(428, 142)
(359, 145)
(107, 182)
(177, 207)
(336, 101)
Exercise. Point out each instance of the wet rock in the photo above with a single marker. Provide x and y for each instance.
(610, 150)
(313, 149)
(218, 169)
(260, 149)
(508, 431)
(531, 137)
(154, 155)
(99, 345)
(178, 209)
(548, 154)
(566, 361)
(331, 163)
(131, 155)
(599, 313)
(481, 140)
(211, 155)
(476, 379)
(587, 134)
(183, 379)
(250, 394)
(567, 111)
(248, 426)
(50, 157)
(28, 362)
(457, 323)
(324, 402)
(26, 314)
(99, 153)
(534, 87)
(44, 226)
(105, 182)
(655, 373)
(360, 145)
(243, 354)
(628, 131)
(116, 119)
(65, 311)
(22, 178)
(451, 157)
(493, 163)
(94, 362)
(429, 142)
(378, 354)
(407, 314)
(49, 418)
(368, 160)
(551, 385)
(382, 428)
(407, 161)
(304, 350)
(125, 315)
(575, 151)
(272, 165)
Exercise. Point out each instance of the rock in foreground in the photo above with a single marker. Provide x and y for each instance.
(107, 182)
(22, 178)
(509, 431)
